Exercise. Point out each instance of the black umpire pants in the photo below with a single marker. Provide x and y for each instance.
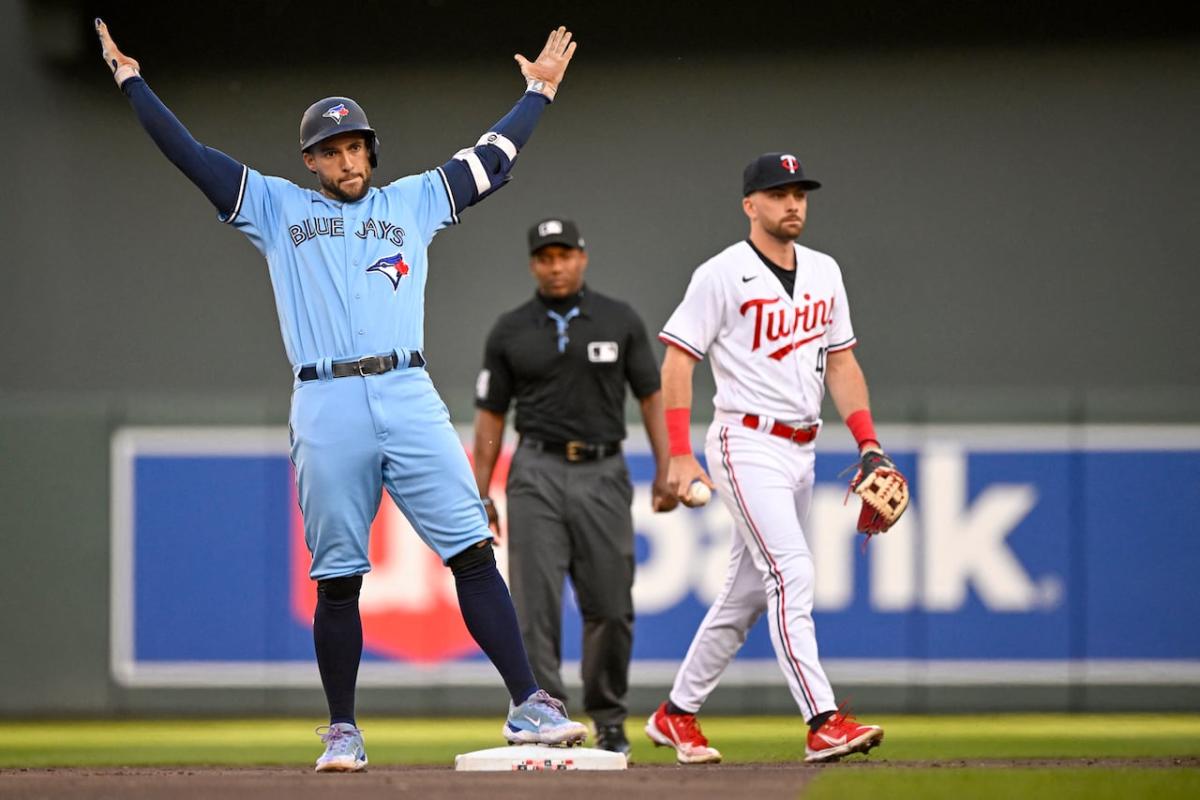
(574, 519)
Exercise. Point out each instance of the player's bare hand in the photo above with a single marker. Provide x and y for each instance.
(123, 67)
(661, 496)
(682, 472)
(546, 73)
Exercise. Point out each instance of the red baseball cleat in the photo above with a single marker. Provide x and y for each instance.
(840, 736)
(682, 732)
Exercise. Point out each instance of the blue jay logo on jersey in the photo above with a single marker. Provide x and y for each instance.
(337, 113)
(392, 267)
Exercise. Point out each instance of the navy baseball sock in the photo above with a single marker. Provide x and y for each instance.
(674, 709)
(337, 636)
(816, 722)
(487, 610)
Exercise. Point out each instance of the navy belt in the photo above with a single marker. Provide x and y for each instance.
(362, 367)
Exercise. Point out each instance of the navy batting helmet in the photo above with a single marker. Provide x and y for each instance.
(332, 116)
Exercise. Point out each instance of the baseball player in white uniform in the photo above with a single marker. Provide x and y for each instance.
(772, 318)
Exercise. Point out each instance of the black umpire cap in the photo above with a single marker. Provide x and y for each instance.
(775, 169)
(554, 231)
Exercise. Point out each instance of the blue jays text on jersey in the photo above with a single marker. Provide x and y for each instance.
(342, 296)
(333, 226)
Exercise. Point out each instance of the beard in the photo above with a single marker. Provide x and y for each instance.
(785, 230)
(335, 189)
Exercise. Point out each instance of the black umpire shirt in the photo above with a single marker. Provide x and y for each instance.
(578, 394)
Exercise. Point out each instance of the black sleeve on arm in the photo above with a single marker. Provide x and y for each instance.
(216, 174)
(640, 368)
(494, 388)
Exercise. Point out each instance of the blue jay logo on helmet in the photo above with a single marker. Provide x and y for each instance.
(337, 113)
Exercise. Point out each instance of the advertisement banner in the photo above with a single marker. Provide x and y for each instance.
(1028, 554)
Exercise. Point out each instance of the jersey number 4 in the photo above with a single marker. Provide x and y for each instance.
(821, 360)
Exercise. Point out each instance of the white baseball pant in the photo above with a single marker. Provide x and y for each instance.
(766, 483)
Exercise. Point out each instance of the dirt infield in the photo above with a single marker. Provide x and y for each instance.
(760, 781)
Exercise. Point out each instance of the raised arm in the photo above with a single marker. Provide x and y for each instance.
(474, 173)
(213, 172)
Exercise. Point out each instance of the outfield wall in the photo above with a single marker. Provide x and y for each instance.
(1044, 559)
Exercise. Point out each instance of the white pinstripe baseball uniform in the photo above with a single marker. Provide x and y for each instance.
(767, 350)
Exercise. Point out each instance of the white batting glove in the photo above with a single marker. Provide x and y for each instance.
(546, 73)
(123, 67)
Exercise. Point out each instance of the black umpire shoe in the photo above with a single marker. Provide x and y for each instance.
(613, 739)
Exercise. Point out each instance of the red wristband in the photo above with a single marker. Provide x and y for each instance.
(679, 431)
(861, 427)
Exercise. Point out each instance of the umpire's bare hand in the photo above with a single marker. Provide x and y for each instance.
(493, 518)
(661, 496)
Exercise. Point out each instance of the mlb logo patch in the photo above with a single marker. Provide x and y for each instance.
(337, 113)
(603, 352)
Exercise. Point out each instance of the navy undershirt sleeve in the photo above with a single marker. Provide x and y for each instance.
(519, 123)
(516, 126)
(216, 174)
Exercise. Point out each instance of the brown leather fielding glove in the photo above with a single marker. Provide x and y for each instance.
(884, 492)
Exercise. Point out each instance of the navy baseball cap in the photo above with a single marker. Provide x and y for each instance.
(554, 231)
(775, 169)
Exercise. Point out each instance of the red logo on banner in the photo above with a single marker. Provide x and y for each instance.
(408, 604)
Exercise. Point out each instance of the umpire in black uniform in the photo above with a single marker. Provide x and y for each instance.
(565, 357)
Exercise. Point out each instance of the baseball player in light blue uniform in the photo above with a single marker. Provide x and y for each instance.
(348, 267)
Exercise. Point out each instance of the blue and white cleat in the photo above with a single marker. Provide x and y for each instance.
(344, 751)
(542, 719)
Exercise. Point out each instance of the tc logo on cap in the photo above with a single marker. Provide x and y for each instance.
(550, 227)
(337, 112)
(790, 163)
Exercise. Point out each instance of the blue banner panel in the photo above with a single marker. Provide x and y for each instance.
(1141, 547)
(211, 555)
(1015, 554)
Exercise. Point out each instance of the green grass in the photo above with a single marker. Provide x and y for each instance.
(994, 784)
(740, 739)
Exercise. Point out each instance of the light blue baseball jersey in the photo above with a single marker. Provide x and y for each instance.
(349, 281)
(349, 278)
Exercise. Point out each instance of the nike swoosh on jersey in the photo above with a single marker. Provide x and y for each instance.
(747, 280)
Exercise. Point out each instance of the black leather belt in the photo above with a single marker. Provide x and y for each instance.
(575, 450)
(367, 365)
